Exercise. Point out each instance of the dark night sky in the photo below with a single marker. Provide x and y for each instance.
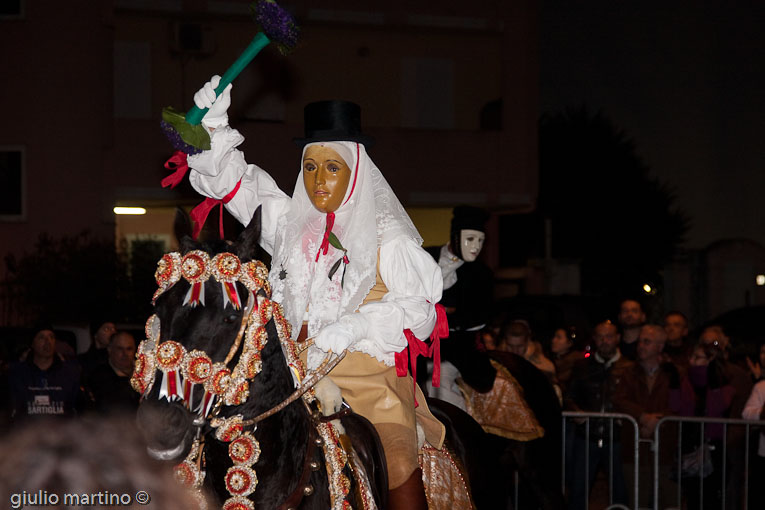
(686, 84)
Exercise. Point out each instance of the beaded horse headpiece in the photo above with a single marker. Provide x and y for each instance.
(196, 267)
(184, 370)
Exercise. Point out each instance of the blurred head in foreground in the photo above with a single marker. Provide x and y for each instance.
(103, 460)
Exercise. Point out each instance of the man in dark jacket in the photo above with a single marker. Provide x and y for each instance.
(96, 355)
(109, 385)
(44, 384)
(645, 395)
(594, 382)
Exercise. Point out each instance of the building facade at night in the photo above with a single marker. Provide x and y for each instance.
(449, 92)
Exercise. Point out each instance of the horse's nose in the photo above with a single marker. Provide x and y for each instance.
(165, 426)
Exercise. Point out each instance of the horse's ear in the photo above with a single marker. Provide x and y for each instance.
(247, 243)
(182, 229)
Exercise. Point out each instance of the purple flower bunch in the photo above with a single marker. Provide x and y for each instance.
(276, 23)
(176, 140)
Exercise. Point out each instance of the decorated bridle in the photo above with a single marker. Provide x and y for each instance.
(182, 370)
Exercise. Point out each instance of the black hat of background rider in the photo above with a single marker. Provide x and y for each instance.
(469, 217)
(333, 121)
(466, 217)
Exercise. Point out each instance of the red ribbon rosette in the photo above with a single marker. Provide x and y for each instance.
(215, 385)
(281, 323)
(244, 450)
(167, 274)
(237, 394)
(219, 380)
(187, 474)
(226, 268)
(258, 338)
(265, 309)
(143, 370)
(151, 329)
(197, 367)
(254, 275)
(195, 269)
(238, 503)
(241, 480)
(169, 357)
(252, 364)
(227, 429)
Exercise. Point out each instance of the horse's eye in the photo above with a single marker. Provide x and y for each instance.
(231, 318)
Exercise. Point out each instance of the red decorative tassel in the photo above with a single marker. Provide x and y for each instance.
(172, 388)
(196, 291)
(440, 331)
(233, 296)
(416, 347)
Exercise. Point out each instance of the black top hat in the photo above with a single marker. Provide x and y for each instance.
(333, 121)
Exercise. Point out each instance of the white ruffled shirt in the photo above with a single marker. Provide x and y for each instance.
(411, 275)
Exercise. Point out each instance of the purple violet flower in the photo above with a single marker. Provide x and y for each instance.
(277, 24)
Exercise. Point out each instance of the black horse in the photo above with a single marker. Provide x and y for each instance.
(292, 468)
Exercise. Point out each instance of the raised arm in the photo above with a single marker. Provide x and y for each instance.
(223, 173)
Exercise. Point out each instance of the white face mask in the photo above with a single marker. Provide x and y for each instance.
(471, 242)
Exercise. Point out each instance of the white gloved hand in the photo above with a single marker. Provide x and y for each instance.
(340, 335)
(216, 115)
(335, 337)
(329, 395)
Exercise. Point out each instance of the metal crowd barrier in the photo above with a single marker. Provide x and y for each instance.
(680, 420)
(611, 417)
(656, 448)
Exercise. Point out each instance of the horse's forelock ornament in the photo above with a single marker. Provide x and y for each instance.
(195, 268)
(226, 268)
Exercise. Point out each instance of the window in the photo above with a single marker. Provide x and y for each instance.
(427, 93)
(132, 80)
(12, 184)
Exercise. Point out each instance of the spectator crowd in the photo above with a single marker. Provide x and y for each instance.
(626, 365)
(49, 380)
(651, 371)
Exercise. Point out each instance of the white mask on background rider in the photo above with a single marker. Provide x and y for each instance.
(471, 243)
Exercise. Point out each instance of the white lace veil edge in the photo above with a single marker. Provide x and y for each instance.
(368, 218)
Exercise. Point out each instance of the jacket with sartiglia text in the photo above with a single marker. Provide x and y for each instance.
(51, 392)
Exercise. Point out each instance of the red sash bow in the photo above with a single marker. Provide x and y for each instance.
(199, 213)
(417, 347)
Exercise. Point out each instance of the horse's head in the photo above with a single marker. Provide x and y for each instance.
(204, 341)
